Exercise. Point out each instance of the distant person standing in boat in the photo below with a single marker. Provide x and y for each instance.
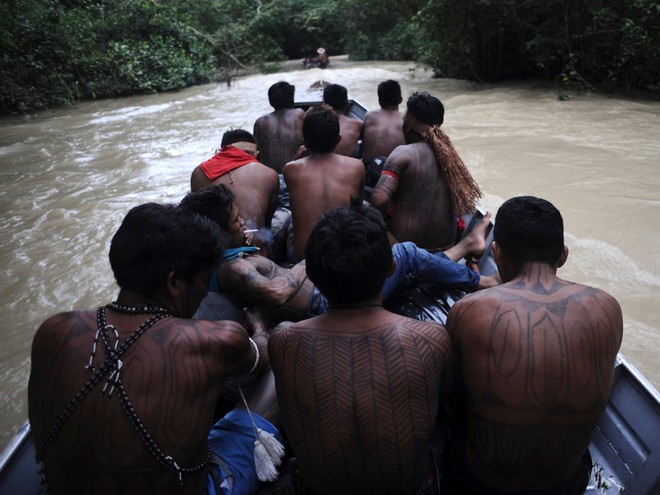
(279, 133)
(321, 181)
(350, 129)
(255, 185)
(535, 364)
(359, 387)
(424, 185)
(122, 398)
(319, 59)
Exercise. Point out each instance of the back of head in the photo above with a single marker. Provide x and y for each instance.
(529, 229)
(426, 108)
(348, 254)
(320, 129)
(236, 136)
(214, 202)
(389, 93)
(336, 96)
(154, 240)
(281, 95)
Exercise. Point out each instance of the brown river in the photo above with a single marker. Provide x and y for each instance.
(68, 177)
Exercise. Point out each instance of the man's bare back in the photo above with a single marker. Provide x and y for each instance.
(255, 187)
(360, 390)
(155, 383)
(350, 130)
(279, 135)
(550, 348)
(317, 184)
(413, 195)
(537, 357)
(382, 132)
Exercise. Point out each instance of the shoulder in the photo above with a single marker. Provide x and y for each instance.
(598, 302)
(356, 163)
(430, 329)
(264, 170)
(279, 335)
(401, 155)
(472, 309)
(64, 326)
(292, 167)
(211, 334)
(354, 122)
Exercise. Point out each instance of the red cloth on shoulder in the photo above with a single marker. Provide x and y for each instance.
(228, 159)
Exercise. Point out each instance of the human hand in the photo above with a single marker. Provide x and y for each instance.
(248, 236)
(256, 320)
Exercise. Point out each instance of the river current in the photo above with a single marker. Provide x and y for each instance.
(67, 178)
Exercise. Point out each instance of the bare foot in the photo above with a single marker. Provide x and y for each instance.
(474, 244)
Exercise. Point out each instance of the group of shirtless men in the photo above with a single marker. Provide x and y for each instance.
(502, 399)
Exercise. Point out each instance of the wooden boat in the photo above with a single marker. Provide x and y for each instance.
(625, 445)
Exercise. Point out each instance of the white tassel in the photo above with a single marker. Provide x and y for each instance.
(263, 463)
(272, 445)
(268, 450)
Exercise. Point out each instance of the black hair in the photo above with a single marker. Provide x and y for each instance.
(320, 129)
(214, 202)
(336, 96)
(348, 254)
(426, 108)
(281, 94)
(389, 93)
(236, 135)
(529, 229)
(154, 240)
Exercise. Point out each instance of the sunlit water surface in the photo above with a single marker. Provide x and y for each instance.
(68, 177)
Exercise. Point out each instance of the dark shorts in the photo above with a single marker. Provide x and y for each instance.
(461, 480)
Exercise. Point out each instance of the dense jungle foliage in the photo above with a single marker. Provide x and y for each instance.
(59, 51)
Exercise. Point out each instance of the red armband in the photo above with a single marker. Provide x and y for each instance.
(391, 174)
(390, 210)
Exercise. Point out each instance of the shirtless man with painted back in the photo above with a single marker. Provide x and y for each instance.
(414, 191)
(321, 181)
(170, 374)
(536, 357)
(350, 129)
(279, 133)
(382, 129)
(359, 387)
(255, 185)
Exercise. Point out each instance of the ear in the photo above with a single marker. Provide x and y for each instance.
(497, 253)
(503, 265)
(338, 139)
(174, 285)
(563, 257)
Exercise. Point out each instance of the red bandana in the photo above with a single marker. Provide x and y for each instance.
(228, 159)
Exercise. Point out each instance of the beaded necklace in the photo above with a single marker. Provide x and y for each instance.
(113, 364)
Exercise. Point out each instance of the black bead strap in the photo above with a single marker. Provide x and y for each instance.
(137, 310)
(112, 364)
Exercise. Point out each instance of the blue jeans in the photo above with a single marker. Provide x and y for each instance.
(232, 440)
(414, 265)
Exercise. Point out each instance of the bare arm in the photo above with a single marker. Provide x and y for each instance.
(261, 281)
(395, 165)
